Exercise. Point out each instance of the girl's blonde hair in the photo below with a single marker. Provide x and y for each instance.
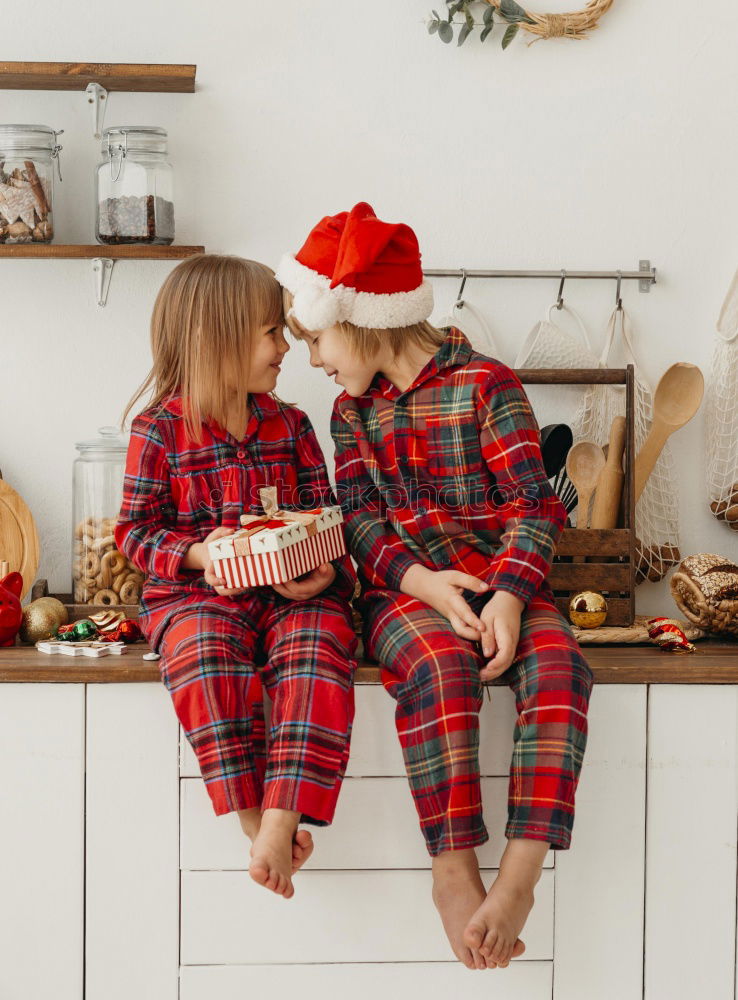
(205, 316)
(367, 342)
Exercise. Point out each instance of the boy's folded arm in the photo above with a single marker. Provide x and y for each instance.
(144, 532)
(314, 490)
(532, 515)
(375, 545)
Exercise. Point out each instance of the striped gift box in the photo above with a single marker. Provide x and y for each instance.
(259, 554)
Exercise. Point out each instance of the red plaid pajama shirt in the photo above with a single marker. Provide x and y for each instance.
(449, 474)
(218, 654)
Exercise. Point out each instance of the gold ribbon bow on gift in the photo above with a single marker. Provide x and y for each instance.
(253, 524)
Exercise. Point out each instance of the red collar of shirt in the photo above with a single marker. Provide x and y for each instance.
(262, 405)
(455, 350)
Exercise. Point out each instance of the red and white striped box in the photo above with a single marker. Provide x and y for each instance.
(278, 547)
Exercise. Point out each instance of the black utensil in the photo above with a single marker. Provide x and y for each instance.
(556, 440)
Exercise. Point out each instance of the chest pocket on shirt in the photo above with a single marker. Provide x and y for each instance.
(208, 495)
(452, 446)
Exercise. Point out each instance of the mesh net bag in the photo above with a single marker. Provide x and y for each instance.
(465, 317)
(656, 514)
(548, 345)
(721, 414)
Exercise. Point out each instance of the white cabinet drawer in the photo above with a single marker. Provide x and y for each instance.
(375, 750)
(521, 980)
(376, 826)
(349, 916)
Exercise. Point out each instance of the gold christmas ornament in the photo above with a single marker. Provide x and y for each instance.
(41, 619)
(588, 609)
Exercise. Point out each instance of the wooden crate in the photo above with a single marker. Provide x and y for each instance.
(610, 554)
(77, 611)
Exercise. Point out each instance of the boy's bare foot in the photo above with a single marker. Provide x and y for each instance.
(458, 892)
(302, 848)
(493, 930)
(271, 852)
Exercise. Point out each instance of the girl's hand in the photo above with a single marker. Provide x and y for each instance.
(441, 589)
(309, 585)
(501, 618)
(211, 578)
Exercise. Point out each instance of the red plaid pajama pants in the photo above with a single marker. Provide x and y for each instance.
(218, 654)
(433, 674)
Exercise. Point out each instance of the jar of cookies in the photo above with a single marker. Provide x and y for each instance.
(101, 575)
(134, 187)
(27, 155)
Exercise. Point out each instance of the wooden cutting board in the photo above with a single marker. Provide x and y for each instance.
(18, 536)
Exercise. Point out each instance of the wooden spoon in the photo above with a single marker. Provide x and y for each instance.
(584, 463)
(677, 398)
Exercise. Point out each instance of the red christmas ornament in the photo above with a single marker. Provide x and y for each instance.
(667, 634)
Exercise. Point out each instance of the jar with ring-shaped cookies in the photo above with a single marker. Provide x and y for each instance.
(101, 575)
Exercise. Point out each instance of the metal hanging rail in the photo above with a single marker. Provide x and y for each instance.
(645, 275)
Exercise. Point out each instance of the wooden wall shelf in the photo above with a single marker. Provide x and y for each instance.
(160, 77)
(90, 251)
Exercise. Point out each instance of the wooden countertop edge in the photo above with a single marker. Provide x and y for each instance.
(712, 663)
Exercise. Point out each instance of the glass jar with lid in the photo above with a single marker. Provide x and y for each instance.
(101, 575)
(134, 187)
(27, 154)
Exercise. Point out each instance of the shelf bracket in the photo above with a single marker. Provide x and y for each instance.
(97, 96)
(102, 270)
(644, 284)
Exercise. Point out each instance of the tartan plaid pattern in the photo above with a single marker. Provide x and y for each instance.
(433, 674)
(218, 653)
(176, 491)
(448, 474)
(217, 659)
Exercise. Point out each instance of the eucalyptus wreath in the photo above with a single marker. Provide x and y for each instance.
(576, 24)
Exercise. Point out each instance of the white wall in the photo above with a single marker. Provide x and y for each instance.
(563, 154)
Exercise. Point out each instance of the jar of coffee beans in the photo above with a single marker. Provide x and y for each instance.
(134, 187)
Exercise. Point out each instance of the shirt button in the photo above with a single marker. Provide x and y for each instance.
(422, 510)
(240, 453)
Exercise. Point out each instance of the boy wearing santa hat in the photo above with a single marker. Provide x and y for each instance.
(453, 525)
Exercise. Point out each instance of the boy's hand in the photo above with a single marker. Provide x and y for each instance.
(501, 618)
(441, 589)
(309, 585)
(203, 557)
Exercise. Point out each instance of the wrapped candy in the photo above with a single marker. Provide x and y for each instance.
(127, 631)
(667, 634)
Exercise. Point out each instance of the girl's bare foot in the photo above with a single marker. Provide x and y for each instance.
(458, 892)
(302, 848)
(271, 851)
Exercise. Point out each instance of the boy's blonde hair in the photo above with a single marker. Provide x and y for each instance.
(367, 342)
(204, 319)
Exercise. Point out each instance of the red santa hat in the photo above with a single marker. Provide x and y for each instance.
(354, 267)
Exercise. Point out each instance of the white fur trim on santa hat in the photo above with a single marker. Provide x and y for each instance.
(317, 306)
